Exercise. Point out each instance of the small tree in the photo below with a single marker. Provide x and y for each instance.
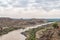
(55, 25)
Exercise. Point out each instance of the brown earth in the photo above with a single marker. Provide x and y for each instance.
(50, 34)
(6, 22)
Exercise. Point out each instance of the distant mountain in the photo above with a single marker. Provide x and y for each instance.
(50, 20)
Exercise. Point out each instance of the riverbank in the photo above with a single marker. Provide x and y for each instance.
(13, 35)
(31, 34)
(9, 24)
(16, 35)
(7, 30)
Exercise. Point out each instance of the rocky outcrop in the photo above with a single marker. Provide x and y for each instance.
(50, 35)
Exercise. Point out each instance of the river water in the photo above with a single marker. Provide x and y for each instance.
(16, 35)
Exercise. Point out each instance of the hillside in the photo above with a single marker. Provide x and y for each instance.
(9, 24)
(47, 32)
(51, 34)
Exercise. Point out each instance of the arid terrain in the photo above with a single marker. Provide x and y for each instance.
(10, 24)
(29, 29)
(17, 34)
(47, 32)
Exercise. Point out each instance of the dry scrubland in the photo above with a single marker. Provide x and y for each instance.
(47, 32)
(9, 24)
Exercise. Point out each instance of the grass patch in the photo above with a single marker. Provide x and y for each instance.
(32, 33)
(7, 30)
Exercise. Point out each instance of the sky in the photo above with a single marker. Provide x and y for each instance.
(30, 8)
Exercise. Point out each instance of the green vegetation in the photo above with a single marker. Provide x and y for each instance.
(9, 24)
(48, 31)
(55, 25)
(32, 33)
(6, 30)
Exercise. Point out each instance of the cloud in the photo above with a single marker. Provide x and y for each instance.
(46, 4)
(21, 13)
(49, 4)
(30, 8)
(29, 13)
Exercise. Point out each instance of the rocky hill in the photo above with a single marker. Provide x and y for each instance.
(46, 32)
(49, 34)
(9, 22)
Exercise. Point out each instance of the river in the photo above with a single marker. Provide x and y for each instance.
(16, 34)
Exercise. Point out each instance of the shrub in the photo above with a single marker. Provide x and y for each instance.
(55, 25)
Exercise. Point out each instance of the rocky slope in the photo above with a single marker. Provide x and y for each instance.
(49, 34)
(9, 22)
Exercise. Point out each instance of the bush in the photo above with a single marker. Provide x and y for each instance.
(55, 25)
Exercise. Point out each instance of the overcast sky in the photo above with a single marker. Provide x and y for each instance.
(30, 8)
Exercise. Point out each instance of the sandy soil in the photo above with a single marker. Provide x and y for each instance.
(14, 35)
